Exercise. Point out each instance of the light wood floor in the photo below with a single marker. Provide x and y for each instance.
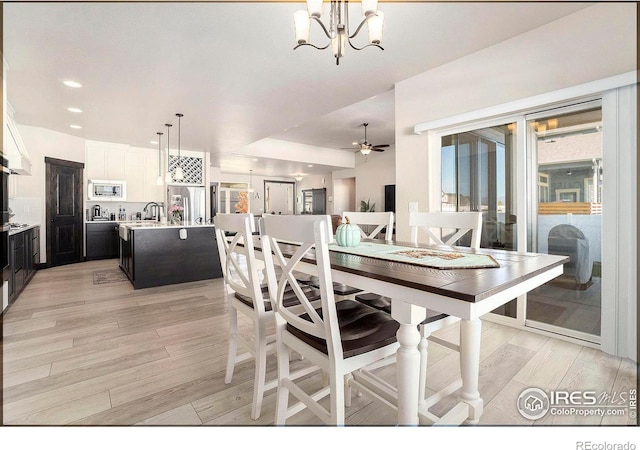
(79, 353)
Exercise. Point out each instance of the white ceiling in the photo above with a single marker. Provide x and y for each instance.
(231, 70)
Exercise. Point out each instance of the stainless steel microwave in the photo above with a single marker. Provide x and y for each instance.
(107, 190)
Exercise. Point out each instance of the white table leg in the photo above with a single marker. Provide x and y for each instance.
(408, 359)
(470, 333)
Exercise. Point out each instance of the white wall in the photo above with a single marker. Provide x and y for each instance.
(372, 174)
(344, 195)
(592, 44)
(30, 198)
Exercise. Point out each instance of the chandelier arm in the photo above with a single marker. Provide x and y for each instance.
(363, 47)
(314, 46)
(323, 27)
(359, 27)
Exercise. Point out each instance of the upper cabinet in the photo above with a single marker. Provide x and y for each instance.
(105, 161)
(137, 166)
(141, 171)
(14, 149)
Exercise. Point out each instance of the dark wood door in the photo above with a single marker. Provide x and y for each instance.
(64, 211)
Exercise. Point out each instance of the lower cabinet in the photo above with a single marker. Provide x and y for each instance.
(102, 240)
(24, 256)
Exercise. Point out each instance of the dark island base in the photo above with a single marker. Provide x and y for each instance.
(158, 257)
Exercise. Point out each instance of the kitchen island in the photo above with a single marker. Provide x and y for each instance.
(153, 254)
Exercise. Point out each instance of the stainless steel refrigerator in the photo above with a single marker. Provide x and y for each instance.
(192, 199)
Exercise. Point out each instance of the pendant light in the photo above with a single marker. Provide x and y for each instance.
(159, 180)
(179, 174)
(167, 177)
(250, 189)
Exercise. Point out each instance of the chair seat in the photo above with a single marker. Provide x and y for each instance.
(338, 288)
(384, 304)
(362, 329)
(290, 298)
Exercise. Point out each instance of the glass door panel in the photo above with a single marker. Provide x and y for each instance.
(478, 174)
(566, 155)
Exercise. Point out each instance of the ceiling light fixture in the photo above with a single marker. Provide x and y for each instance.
(250, 189)
(77, 127)
(338, 31)
(168, 178)
(298, 177)
(74, 110)
(159, 179)
(179, 174)
(71, 83)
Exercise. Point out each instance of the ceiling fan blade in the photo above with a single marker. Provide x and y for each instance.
(381, 146)
(377, 149)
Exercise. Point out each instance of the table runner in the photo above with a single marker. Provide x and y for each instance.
(438, 259)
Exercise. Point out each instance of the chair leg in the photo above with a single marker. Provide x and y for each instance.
(337, 398)
(422, 348)
(233, 344)
(261, 369)
(282, 396)
(348, 390)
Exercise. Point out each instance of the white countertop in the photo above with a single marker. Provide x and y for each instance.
(13, 231)
(139, 226)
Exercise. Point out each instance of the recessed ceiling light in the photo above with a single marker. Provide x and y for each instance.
(71, 83)
(77, 127)
(254, 159)
(74, 110)
(153, 142)
(309, 165)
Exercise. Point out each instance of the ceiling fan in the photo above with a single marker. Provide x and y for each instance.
(365, 147)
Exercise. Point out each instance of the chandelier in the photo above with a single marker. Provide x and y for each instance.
(338, 30)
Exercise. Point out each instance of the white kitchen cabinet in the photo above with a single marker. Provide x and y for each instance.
(105, 161)
(12, 190)
(141, 172)
(134, 168)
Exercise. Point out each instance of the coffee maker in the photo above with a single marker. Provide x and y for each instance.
(96, 212)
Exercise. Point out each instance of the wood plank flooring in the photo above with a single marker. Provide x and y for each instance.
(78, 353)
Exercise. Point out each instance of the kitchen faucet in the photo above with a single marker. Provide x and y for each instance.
(151, 214)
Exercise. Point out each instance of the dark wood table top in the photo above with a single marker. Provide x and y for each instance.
(471, 285)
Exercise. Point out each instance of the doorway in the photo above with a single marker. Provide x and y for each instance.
(565, 154)
(279, 197)
(64, 200)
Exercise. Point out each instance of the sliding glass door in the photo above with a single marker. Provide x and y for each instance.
(551, 174)
(478, 174)
(565, 155)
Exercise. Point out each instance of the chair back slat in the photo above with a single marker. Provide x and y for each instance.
(380, 219)
(309, 233)
(240, 267)
(462, 222)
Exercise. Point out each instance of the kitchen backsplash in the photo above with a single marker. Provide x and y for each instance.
(29, 210)
(108, 208)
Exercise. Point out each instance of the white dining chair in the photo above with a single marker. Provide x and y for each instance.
(337, 337)
(380, 220)
(435, 225)
(242, 274)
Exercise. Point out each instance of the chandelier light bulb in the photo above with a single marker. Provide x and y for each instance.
(315, 8)
(302, 24)
(375, 24)
(369, 7)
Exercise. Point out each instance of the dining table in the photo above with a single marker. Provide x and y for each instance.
(490, 279)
